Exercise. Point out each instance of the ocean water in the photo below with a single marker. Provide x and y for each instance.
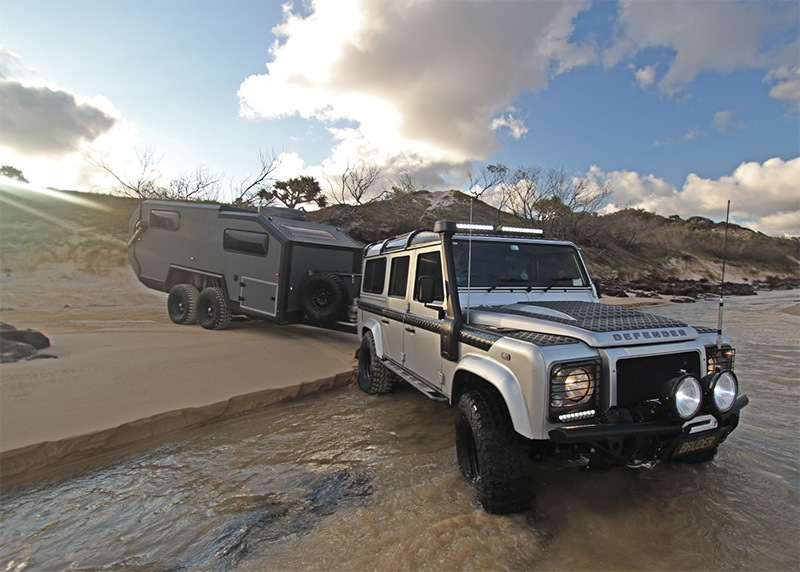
(346, 481)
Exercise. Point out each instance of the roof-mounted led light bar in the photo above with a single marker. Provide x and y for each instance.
(454, 227)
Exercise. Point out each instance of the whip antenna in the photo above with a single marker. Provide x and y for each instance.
(722, 284)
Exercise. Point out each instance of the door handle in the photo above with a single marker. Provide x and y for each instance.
(384, 321)
(412, 330)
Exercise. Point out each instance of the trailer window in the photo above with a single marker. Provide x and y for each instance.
(398, 278)
(246, 241)
(374, 275)
(167, 220)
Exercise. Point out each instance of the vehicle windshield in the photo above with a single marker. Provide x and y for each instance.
(495, 264)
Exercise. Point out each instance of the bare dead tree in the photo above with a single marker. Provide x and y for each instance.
(521, 193)
(145, 184)
(355, 183)
(202, 185)
(403, 183)
(255, 190)
(482, 185)
(570, 204)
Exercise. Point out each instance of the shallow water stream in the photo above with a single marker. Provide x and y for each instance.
(346, 481)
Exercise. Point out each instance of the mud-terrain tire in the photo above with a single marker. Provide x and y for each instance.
(182, 304)
(491, 454)
(373, 377)
(324, 297)
(212, 311)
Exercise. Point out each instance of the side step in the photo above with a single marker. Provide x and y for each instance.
(415, 382)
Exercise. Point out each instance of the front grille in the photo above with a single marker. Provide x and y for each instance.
(640, 379)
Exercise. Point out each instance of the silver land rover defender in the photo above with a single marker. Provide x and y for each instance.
(508, 327)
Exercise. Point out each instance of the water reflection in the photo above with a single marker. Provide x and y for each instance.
(349, 481)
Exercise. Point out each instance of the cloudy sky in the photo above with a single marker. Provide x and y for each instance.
(679, 105)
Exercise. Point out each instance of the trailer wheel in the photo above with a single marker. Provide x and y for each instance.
(491, 454)
(324, 297)
(212, 311)
(182, 304)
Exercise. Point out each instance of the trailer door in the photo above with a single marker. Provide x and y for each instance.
(258, 296)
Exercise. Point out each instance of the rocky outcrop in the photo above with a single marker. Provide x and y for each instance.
(16, 345)
(685, 290)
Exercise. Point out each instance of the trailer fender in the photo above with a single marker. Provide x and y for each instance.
(504, 380)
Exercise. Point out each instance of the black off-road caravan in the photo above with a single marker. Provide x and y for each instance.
(216, 261)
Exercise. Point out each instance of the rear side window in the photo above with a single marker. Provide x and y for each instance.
(246, 242)
(167, 220)
(398, 278)
(374, 275)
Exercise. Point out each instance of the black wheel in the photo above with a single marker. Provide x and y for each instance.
(182, 304)
(212, 311)
(373, 377)
(491, 454)
(324, 297)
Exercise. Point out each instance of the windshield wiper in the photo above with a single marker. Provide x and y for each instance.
(505, 281)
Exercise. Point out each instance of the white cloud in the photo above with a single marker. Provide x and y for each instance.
(702, 36)
(414, 82)
(785, 84)
(724, 120)
(764, 196)
(645, 76)
(48, 132)
(516, 127)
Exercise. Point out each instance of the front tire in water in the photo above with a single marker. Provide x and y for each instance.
(373, 377)
(491, 454)
(182, 304)
(212, 311)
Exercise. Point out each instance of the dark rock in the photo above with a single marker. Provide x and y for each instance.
(31, 337)
(6, 327)
(11, 351)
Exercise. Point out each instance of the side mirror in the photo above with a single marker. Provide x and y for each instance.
(426, 287)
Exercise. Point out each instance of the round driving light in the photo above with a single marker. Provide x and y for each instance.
(687, 397)
(724, 389)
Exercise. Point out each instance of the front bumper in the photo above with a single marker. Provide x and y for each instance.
(604, 431)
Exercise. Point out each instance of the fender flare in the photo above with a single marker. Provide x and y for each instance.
(373, 326)
(504, 380)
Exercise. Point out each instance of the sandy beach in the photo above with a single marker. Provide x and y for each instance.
(124, 373)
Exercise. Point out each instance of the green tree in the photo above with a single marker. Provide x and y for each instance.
(12, 173)
(295, 192)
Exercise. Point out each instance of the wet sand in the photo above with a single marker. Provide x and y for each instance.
(125, 373)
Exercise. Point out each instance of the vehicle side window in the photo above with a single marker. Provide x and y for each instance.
(374, 275)
(167, 220)
(398, 278)
(430, 264)
(246, 241)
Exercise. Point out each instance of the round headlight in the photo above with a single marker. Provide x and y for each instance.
(724, 388)
(578, 385)
(687, 397)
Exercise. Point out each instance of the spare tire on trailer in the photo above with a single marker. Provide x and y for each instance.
(324, 297)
